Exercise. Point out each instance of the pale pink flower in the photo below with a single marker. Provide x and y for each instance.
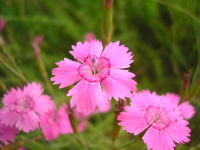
(22, 107)
(53, 123)
(186, 109)
(7, 133)
(2, 24)
(160, 117)
(100, 74)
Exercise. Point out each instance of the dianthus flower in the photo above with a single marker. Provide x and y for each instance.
(53, 123)
(186, 109)
(100, 74)
(161, 119)
(7, 134)
(22, 107)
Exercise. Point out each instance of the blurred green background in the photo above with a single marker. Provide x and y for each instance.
(164, 36)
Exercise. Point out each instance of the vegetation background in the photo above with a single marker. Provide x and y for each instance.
(164, 36)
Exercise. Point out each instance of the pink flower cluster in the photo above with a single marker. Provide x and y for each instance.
(27, 109)
(162, 117)
(100, 74)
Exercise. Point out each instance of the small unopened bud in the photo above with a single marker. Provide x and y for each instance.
(2, 24)
(120, 106)
(36, 44)
(37, 41)
(2, 43)
(186, 80)
(89, 37)
(108, 3)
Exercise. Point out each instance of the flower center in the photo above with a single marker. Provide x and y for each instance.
(24, 104)
(157, 117)
(94, 69)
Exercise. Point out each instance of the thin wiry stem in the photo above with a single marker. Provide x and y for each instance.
(19, 75)
(107, 21)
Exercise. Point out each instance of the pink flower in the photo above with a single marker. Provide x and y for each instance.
(2, 24)
(186, 109)
(160, 117)
(22, 107)
(100, 75)
(53, 123)
(7, 133)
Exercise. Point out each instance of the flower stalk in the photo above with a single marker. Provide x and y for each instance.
(3, 86)
(36, 49)
(185, 85)
(74, 127)
(18, 74)
(116, 128)
(18, 144)
(6, 57)
(107, 21)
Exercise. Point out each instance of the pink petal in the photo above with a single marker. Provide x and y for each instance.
(132, 121)
(49, 128)
(44, 104)
(66, 73)
(7, 133)
(11, 95)
(28, 122)
(105, 107)
(144, 99)
(86, 96)
(63, 121)
(8, 121)
(28, 89)
(119, 84)
(158, 140)
(82, 125)
(179, 131)
(187, 110)
(82, 50)
(174, 98)
(118, 55)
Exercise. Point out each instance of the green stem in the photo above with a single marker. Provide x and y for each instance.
(74, 127)
(178, 8)
(127, 144)
(107, 21)
(115, 132)
(9, 55)
(22, 8)
(18, 144)
(19, 75)
(3, 86)
(42, 68)
(116, 128)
